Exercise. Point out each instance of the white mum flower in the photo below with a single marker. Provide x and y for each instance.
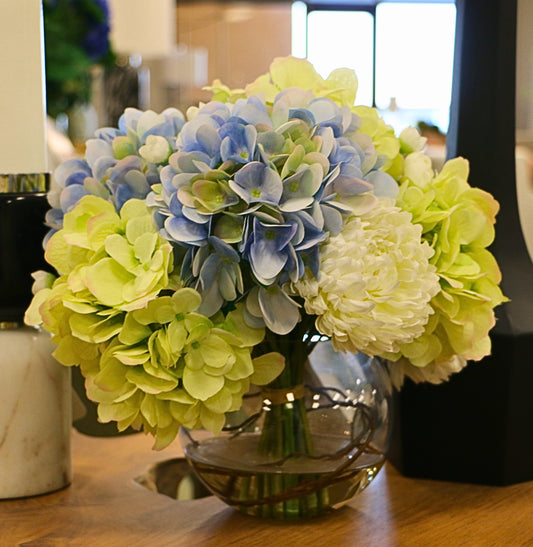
(375, 283)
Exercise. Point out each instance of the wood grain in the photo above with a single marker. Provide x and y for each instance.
(104, 506)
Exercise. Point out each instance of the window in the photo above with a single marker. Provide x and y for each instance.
(409, 73)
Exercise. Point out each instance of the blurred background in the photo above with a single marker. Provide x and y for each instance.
(105, 55)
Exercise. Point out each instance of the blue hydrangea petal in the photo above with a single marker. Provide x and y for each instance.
(194, 216)
(95, 149)
(184, 231)
(129, 120)
(54, 218)
(71, 195)
(308, 233)
(280, 312)
(304, 115)
(238, 142)
(102, 166)
(67, 168)
(384, 185)
(299, 189)
(333, 220)
(252, 111)
(122, 194)
(266, 261)
(108, 134)
(256, 182)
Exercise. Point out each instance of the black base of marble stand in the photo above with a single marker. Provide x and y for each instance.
(21, 234)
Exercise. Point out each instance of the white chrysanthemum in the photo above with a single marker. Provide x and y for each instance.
(375, 283)
(435, 373)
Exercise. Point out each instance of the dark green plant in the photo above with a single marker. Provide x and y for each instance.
(76, 35)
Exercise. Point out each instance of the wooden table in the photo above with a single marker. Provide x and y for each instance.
(105, 507)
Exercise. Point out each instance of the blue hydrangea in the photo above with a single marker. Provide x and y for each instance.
(117, 164)
(253, 189)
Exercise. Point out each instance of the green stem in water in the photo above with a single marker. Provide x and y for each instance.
(286, 428)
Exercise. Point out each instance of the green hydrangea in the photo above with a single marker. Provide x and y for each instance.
(458, 222)
(113, 260)
(286, 72)
(171, 366)
(158, 367)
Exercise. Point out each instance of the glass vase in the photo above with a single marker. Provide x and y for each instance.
(304, 445)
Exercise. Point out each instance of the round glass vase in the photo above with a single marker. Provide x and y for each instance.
(301, 450)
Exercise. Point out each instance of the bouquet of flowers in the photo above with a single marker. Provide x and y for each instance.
(188, 249)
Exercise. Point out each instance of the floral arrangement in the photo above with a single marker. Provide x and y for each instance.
(76, 34)
(189, 249)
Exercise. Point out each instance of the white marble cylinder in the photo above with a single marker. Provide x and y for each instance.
(35, 415)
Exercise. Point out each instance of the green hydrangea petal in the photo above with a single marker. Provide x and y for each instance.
(219, 403)
(194, 359)
(93, 328)
(160, 310)
(229, 228)
(138, 226)
(189, 416)
(106, 280)
(200, 385)
(186, 300)
(115, 412)
(177, 396)
(121, 251)
(133, 331)
(243, 366)
(215, 351)
(69, 350)
(63, 256)
(165, 436)
(132, 355)
(149, 409)
(236, 324)
(212, 421)
(342, 86)
(177, 335)
(149, 384)
(198, 327)
(267, 368)
(123, 147)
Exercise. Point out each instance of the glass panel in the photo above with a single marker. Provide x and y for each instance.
(414, 62)
(299, 29)
(343, 39)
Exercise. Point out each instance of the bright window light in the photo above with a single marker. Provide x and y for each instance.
(414, 58)
(338, 39)
(299, 29)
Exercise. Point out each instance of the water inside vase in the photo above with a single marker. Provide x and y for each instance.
(298, 487)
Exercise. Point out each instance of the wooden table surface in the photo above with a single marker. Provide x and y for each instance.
(104, 507)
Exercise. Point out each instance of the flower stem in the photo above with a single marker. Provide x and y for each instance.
(286, 432)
